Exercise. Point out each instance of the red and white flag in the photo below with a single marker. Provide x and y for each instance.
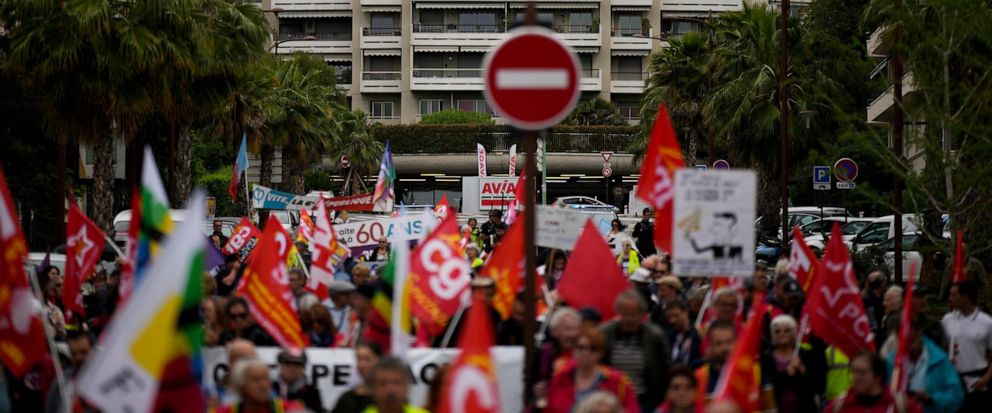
(84, 245)
(835, 310)
(481, 152)
(131, 248)
(22, 337)
(900, 374)
(513, 159)
(657, 183)
(266, 287)
(442, 209)
(305, 232)
(739, 379)
(802, 261)
(470, 386)
(439, 277)
(243, 240)
(327, 253)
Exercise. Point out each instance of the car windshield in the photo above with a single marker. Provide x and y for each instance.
(853, 228)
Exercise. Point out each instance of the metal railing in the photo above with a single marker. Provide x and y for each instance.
(381, 31)
(629, 112)
(629, 75)
(458, 28)
(343, 78)
(579, 28)
(381, 75)
(629, 32)
(326, 36)
(590, 73)
(449, 73)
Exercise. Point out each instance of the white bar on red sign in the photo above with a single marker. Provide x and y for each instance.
(532, 78)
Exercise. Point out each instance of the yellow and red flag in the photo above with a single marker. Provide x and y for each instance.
(657, 183)
(506, 268)
(305, 232)
(738, 381)
(470, 386)
(439, 277)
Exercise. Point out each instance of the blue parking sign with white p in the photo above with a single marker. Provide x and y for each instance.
(821, 174)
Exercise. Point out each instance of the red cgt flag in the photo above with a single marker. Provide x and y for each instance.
(802, 261)
(243, 240)
(960, 273)
(739, 379)
(442, 209)
(22, 337)
(439, 277)
(506, 268)
(470, 386)
(266, 287)
(657, 183)
(834, 307)
(592, 264)
(84, 245)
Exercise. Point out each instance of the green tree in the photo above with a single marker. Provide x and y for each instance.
(457, 117)
(595, 112)
(355, 139)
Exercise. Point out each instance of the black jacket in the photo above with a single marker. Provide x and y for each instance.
(657, 359)
(644, 235)
(306, 394)
(805, 385)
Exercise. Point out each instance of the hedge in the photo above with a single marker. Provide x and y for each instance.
(463, 138)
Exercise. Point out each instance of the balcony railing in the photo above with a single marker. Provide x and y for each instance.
(629, 32)
(411, 139)
(581, 28)
(631, 76)
(320, 36)
(381, 31)
(447, 73)
(458, 28)
(590, 73)
(343, 78)
(381, 75)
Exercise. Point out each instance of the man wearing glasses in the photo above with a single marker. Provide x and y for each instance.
(241, 325)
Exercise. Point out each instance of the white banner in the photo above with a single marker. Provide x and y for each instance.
(333, 371)
(397, 229)
(713, 231)
(560, 228)
(513, 160)
(482, 159)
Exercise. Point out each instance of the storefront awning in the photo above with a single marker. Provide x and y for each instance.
(459, 5)
(382, 52)
(557, 5)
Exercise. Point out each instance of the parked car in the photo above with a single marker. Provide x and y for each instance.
(123, 221)
(35, 259)
(800, 216)
(882, 229)
(817, 232)
(910, 253)
(584, 203)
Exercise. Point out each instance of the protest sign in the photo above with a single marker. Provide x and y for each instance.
(267, 198)
(559, 227)
(361, 236)
(333, 371)
(714, 219)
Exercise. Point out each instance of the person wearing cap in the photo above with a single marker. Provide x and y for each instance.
(668, 291)
(644, 233)
(483, 287)
(338, 303)
(291, 382)
(489, 229)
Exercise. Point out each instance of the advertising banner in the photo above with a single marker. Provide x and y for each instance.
(267, 198)
(496, 192)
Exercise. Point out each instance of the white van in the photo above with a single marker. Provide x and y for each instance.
(123, 220)
(881, 229)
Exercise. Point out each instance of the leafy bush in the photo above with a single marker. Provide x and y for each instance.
(216, 183)
(457, 117)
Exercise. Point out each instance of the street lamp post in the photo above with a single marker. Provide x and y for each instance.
(783, 101)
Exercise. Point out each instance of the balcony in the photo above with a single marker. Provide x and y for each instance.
(580, 35)
(631, 40)
(876, 48)
(454, 35)
(381, 82)
(698, 7)
(381, 38)
(631, 113)
(627, 82)
(446, 79)
(591, 80)
(637, 3)
(311, 5)
(880, 109)
(317, 43)
(382, 2)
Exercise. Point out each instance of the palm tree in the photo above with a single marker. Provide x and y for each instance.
(355, 139)
(595, 112)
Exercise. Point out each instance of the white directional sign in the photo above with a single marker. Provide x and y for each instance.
(713, 231)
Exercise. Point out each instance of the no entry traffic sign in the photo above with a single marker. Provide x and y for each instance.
(532, 78)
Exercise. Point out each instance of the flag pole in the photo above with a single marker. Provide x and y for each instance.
(800, 334)
(451, 329)
(59, 374)
(706, 307)
(114, 246)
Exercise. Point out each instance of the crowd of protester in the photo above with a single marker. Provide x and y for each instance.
(662, 352)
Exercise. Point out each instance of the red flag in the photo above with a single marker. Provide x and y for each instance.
(439, 277)
(506, 268)
(84, 245)
(802, 261)
(305, 232)
(521, 189)
(657, 183)
(442, 209)
(960, 273)
(835, 309)
(243, 240)
(327, 252)
(739, 380)
(131, 248)
(266, 287)
(592, 265)
(900, 375)
(22, 337)
(470, 386)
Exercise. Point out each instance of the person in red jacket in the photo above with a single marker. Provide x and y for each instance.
(869, 393)
(585, 375)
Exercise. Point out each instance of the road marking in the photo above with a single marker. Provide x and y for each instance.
(510, 79)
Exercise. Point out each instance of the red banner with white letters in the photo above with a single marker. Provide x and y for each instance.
(243, 240)
(439, 277)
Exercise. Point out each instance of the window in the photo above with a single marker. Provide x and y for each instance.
(428, 106)
(874, 233)
(579, 22)
(382, 110)
(477, 22)
(853, 228)
(474, 106)
(628, 24)
(382, 25)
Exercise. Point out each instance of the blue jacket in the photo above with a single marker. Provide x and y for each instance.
(942, 384)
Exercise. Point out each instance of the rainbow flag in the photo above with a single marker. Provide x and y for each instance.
(154, 215)
(401, 320)
(384, 196)
(150, 352)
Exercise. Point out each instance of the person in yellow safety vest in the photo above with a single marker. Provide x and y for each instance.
(472, 255)
(628, 258)
(839, 378)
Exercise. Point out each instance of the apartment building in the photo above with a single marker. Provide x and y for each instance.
(879, 111)
(401, 59)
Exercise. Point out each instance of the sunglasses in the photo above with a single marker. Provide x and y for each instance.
(238, 316)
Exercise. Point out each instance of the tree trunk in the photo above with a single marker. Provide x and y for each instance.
(184, 165)
(265, 154)
(101, 209)
(292, 171)
(769, 208)
(171, 189)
